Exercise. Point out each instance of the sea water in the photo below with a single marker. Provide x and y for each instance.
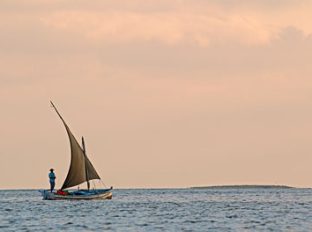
(216, 209)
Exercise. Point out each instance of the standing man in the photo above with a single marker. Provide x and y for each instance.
(52, 179)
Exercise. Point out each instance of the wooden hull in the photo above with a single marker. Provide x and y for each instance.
(99, 195)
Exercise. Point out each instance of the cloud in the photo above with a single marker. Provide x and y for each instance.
(181, 22)
(170, 28)
(60, 26)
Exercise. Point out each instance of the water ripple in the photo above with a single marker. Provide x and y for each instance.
(159, 210)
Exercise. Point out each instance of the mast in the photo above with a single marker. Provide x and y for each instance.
(86, 170)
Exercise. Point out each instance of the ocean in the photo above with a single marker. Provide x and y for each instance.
(212, 209)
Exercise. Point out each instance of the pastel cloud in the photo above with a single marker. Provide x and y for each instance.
(185, 22)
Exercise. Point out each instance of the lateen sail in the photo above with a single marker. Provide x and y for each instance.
(81, 169)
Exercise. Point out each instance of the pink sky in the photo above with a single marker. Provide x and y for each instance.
(166, 93)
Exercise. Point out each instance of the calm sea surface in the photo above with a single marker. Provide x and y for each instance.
(232, 209)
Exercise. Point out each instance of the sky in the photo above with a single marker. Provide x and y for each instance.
(173, 93)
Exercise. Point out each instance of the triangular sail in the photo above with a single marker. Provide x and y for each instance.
(92, 174)
(81, 169)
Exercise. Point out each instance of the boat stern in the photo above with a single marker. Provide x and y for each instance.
(47, 195)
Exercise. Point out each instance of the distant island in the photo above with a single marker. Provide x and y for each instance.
(244, 187)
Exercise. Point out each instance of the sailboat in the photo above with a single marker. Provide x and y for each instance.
(80, 171)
